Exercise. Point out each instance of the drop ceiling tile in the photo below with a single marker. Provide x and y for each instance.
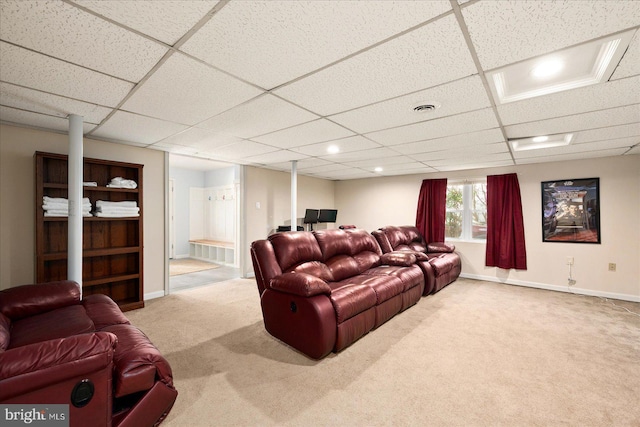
(258, 116)
(37, 120)
(61, 30)
(308, 133)
(185, 91)
(350, 174)
(195, 163)
(383, 162)
(477, 165)
(174, 149)
(606, 95)
(26, 68)
(634, 150)
(446, 126)
(329, 167)
(508, 31)
(302, 164)
(410, 171)
(622, 143)
(400, 66)
(282, 40)
(52, 105)
(353, 143)
(275, 157)
(123, 126)
(451, 142)
(592, 120)
(572, 156)
(499, 150)
(454, 159)
(611, 132)
(352, 156)
(630, 63)
(240, 150)
(201, 139)
(456, 97)
(166, 21)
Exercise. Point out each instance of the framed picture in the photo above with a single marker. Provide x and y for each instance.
(571, 210)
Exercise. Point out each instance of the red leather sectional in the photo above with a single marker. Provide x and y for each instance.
(58, 349)
(321, 291)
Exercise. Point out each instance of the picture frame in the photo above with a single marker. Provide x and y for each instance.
(571, 210)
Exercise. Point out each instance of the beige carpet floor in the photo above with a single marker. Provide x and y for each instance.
(188, 265)
(475, 354)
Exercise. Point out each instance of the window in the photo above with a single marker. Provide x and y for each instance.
(466, 211)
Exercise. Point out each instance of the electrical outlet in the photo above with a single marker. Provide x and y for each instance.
(612, 266)
(569, 260)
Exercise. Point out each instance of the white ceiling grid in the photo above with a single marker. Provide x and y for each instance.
(267, 82)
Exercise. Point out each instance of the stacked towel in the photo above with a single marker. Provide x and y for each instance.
(59, 206)
(90, 184)
(107, 209)
(119, 182)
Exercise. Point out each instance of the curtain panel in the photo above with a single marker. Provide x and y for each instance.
(505, 226)
(430, 217)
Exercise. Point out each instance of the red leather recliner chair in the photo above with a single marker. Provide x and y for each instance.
(58, 349)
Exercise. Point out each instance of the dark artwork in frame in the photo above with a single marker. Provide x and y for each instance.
(571, 210)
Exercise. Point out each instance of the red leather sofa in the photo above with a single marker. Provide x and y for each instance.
(321, 291)
(440, 264)
(58, 349)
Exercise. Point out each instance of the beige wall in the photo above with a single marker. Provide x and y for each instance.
(272, 190)
(17, 206)
(373, 203)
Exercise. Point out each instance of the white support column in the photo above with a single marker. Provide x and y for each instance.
(74, 236)
(294, 194)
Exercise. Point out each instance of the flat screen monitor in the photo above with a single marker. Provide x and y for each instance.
(310, 216)
(327, 215)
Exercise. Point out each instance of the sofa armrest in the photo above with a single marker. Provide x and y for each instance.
(440, 247)
(301, 284)
(398, 258)
(28, 300)
(39, 365)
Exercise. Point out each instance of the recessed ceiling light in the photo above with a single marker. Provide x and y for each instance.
(426, 106)
(378, 169)
(333, 149)
(539, 142)
(540, 138)
(547, 68)
(578, 66)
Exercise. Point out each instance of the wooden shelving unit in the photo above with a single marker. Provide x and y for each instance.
(112, 254)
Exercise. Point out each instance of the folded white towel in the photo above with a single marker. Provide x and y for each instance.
(115, 215)
(47, 199)
(119, 182)
(63, 214)
(49, 206)
(118, 210)
(90, 184)
(123, 204)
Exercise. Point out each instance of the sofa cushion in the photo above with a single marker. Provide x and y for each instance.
(5, 327)
(343, 267)
(28, 300)
(137, 361)
(294, 248)
(333, 243)
(410, 276)
(314, 268)
(349, 299)
(404, 259)
(60, 323)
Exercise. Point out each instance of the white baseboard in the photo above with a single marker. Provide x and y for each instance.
(573, 290)
(153, 295)
(181, 256)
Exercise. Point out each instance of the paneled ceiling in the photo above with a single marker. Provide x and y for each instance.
(266, 82)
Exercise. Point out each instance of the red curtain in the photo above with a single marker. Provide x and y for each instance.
(430, 217)
(505, 227)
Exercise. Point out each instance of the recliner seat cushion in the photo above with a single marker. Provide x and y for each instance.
(60, 323)
(351, 299)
